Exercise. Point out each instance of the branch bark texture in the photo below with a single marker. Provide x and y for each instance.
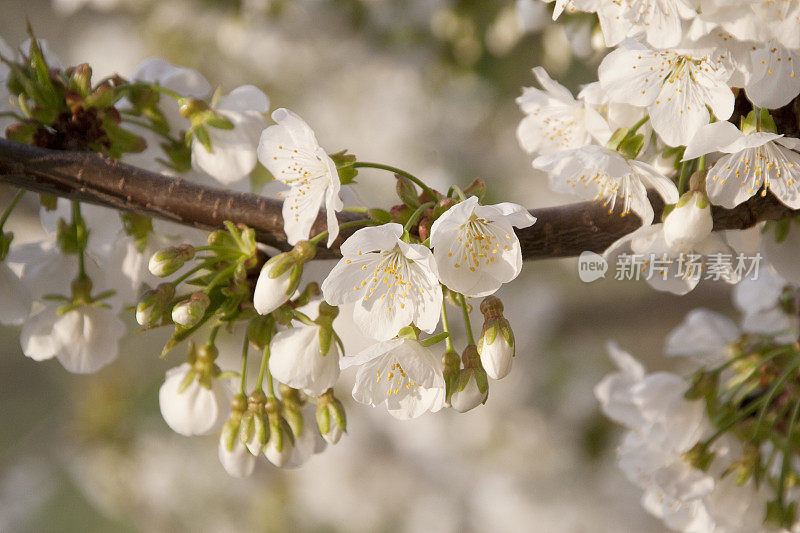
(562, 231)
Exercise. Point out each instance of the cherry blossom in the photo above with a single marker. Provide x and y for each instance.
(290, 151)
(393, 283)
(475, 247)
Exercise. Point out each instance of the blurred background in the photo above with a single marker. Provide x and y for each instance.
(426, 85)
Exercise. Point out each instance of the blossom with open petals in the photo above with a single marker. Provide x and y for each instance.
(290, 151)
(475, 246)
(393, 283)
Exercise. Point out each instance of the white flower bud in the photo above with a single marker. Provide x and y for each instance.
(689, 223)
(151, 307)
(189, 312)
(238, 461)
(191, 409)
(496, 357)
(469, 397)
(167, 261)
(496, 345)
(280, 445)
(333, 435)
(271, 292)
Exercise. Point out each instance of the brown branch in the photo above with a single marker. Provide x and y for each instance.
(559, 232)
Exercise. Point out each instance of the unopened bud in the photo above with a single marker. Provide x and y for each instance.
(189, 312)
(496, 344)
(331, 418)
(189, 107)
(169, 260)
(153, 304)
(471, 386)
(476, 188)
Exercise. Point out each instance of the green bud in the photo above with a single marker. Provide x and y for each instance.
(169, 260)
(331, 418)
(153, 304)
(407, 191)
(188, 313)
(631, 146)
(259, 330)
(476, 188)
(190, 107)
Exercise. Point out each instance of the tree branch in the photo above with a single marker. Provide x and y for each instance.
(562, 231)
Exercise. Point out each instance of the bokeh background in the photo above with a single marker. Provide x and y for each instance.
(426, 85)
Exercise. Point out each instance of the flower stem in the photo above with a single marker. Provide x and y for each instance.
(632, 130)
(80, 229)
(365, 164)
(456, 189)
(686, 170)
(212, 337)
(787, 453)
(186, 275)
(11, 206)
(446, 326)
(467, 323)
(415, 216)
(245, 347)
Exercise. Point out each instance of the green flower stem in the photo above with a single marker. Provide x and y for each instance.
(221, 276)
(415, 216)
(80, 224)
(773, 391)
(686, 171)
(635, 127)
(183, 277)
(263, 370)
(245, 347)
(446, 326)
(467, 323)
(150, 127)
(365, 222)
(212, 337)
(787, 453)
(423, 186)
(11, 206)
(456, 189)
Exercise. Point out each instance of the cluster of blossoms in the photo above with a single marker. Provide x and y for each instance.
(682, 106)
(398, 273)
(692, 102)
(717, 450)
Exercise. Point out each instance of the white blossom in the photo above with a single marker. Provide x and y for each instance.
(233, 151)
(83, 339)
(599, 174)
(775, 77)
(296, 359)
(755, 161)
(196, 410)
(689, 222)
(290, 151)
(15, 297)
(659, 19)
(393, 283)
(675, 86)
(703, 336)
(554, 120)
(475, 247)
(400, 373)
